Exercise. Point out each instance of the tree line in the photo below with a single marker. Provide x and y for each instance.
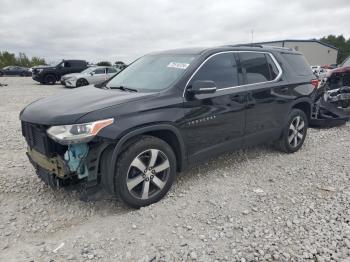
(339, 42)
(10, 59)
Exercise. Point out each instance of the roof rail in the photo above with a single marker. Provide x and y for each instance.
(248, 45)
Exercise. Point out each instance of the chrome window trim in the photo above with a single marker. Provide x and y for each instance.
(230, 87)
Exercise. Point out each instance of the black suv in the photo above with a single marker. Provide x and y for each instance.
(51, 74)
(132, 134)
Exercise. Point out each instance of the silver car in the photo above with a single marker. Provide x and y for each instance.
(90, 76)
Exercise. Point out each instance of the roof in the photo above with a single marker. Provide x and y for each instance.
(296, 40)
(183, 51)
(215, 49)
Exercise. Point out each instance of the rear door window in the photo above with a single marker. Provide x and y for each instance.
(255, 67)
(100, 71)
(77, 63)
(221, 68)
(111, 70)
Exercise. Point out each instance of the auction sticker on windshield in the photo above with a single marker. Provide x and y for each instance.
(178, 65)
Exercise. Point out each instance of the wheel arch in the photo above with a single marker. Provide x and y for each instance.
(167, 132)
(51, 73)
(83, 78)
(305, 105)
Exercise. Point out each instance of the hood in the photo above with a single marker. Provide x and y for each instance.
(77, 75)
(68, 106)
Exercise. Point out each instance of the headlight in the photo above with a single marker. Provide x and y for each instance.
(72, 78)
(78, 133)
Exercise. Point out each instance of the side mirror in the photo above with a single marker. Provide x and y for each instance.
(92, 73)
(203, 87)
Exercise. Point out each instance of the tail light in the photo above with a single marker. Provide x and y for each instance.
(314, 82)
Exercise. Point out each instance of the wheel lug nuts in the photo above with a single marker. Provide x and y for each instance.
(153, 171)
(152, 177)
(147, 179)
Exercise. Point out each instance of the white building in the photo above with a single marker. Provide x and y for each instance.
(316, 52)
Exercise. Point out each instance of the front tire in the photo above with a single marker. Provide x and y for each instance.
(145, 172)
(50, 79)
(82, 82)
(294, 133)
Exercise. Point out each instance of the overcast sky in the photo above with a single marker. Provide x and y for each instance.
(124, 30)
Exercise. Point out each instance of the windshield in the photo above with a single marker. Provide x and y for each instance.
(346, 62)
(152, 72)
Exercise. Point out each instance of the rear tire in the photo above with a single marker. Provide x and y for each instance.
(50, 79)
(294, 133)
(1, 74)
(145, 172)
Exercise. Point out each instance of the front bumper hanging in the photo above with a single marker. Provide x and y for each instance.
(54, 165)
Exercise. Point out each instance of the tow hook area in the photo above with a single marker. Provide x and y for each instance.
(75, 156)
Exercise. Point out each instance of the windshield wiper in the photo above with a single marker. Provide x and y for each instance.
(123, 88)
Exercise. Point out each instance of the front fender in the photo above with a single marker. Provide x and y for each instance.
(139, 131)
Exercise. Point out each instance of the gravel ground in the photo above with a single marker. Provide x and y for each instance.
(251, 205)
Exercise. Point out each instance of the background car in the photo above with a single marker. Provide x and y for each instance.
(15, 71)
(92, 75)
(51, 74)
(340, 76)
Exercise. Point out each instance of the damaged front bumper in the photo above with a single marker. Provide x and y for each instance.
(54, 165)
(79, 163)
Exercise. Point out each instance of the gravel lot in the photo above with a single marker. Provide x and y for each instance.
(251, 205)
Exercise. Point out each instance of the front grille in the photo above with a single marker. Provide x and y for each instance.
(37, 139)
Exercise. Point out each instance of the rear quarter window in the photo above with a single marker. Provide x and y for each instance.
(298, 64)
(78, 63)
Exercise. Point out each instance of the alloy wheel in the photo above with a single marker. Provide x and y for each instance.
(296, 131)
(50, 80)
(148, 174)
(82, 82)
